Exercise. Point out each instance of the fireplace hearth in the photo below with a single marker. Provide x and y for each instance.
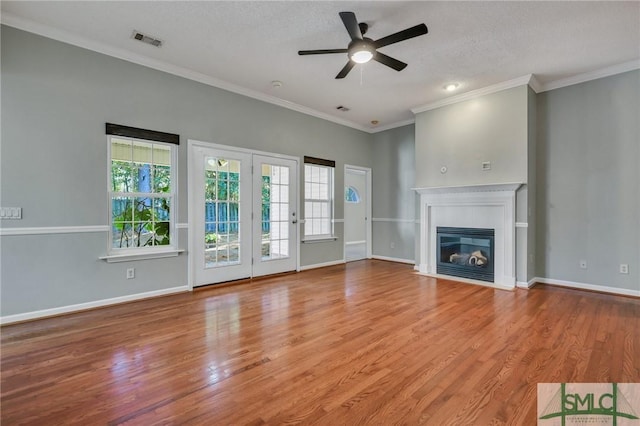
(465, 252)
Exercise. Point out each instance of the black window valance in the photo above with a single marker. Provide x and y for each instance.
(134, 132)
(319, 161)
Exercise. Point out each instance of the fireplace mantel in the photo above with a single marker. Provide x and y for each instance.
(511, 187)
(490, 206)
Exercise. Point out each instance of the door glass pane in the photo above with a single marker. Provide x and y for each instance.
(222, 212)
(275, 212)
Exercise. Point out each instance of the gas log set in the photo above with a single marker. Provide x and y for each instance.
(475, 258)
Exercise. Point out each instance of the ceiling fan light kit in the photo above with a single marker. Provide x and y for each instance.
(360, 52)
(362, 49)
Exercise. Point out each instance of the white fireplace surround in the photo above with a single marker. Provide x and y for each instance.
(476, 206)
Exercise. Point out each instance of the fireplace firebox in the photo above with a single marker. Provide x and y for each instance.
(466, 252)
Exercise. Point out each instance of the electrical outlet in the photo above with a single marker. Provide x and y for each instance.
(392, 245)
(131, 273)
(583, 264)
(624, 268)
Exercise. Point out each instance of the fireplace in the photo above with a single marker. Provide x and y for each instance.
(465, 252)
(491, 206)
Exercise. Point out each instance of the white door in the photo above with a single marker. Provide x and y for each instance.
(221, 203)
(356, 214)
(274, 215)
(243, 214)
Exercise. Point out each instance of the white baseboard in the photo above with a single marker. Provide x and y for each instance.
(322, 265)
(89, 305)
(394, 259)
(583, 286)
(528, 284)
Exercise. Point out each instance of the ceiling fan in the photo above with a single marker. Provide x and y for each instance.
(362, 49)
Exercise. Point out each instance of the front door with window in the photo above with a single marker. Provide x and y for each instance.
(243, 214)
(356, 213)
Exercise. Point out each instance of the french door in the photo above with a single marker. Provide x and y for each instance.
(274, 215)
(243, 214)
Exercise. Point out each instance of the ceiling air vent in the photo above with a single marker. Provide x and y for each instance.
(146, 39)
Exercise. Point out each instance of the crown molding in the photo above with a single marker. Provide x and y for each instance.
(14, 21)
(591, 75)
(535, 84)
(520, 81)
(392, 126)
(532, 81)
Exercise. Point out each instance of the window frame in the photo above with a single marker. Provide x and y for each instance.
(126, 252)
(331, 203)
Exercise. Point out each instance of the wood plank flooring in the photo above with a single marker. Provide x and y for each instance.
(370, 342)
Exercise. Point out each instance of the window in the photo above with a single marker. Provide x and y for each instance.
(318, 198)
(275, 211)
(222, 212)
(141, 194)
(351, 195)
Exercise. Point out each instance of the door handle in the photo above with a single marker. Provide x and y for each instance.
(294, 221)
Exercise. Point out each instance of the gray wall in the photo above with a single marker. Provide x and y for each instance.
(394, 204)
(56, 99)
(463, 135)
(588, 195)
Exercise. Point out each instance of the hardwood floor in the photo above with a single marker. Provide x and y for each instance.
(369, 342)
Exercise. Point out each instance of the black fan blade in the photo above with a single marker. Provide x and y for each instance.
(351, 24)
(344, 71)
(321, 52)
(412, 32)
(389, 61)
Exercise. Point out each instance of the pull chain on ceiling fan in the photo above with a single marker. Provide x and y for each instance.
(362, 49)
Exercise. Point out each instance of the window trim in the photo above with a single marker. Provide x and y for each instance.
(330, 165)
(139, 253)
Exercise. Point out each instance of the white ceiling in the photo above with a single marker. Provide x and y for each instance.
(244, 45)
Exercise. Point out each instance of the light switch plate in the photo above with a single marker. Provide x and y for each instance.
(10, 212)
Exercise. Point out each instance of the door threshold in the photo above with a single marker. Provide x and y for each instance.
(242, 281)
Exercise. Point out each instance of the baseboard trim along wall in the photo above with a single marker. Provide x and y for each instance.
(583, 286)
(322, 265)
(528, 284)
(394, 259)
(9, 319)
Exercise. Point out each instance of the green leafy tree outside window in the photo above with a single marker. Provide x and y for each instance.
(140, 221)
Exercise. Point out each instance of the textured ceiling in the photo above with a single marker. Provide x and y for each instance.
(245, 45)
